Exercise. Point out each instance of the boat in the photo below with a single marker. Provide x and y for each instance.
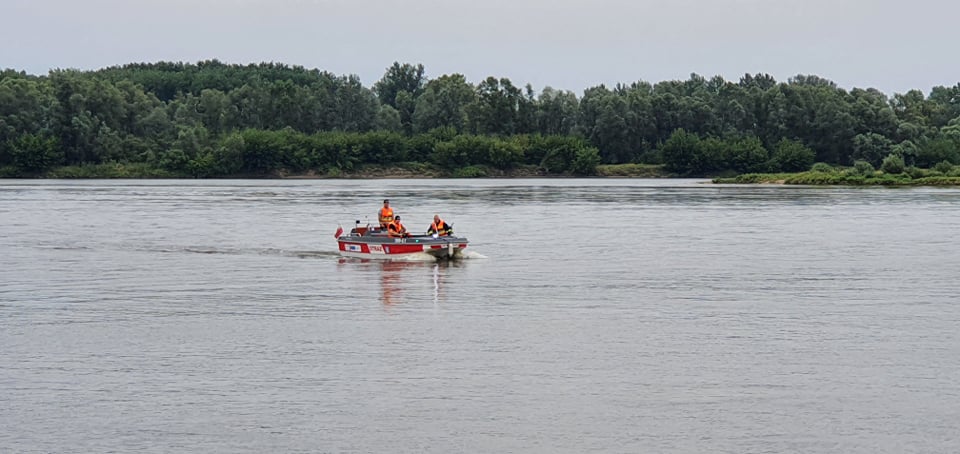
(374, 243)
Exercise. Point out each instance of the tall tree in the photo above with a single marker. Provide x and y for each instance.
(444, 104)
(496, 108)
(399, 88)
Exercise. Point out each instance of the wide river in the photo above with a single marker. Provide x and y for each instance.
(593, 315)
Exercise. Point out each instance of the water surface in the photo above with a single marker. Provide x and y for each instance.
(596, 315)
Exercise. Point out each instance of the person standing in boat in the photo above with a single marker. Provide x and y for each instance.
(396, 229)
(385, 214)
(439, 227)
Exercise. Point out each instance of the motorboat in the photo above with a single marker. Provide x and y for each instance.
(374, 243)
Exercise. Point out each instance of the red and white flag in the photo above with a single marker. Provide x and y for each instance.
(339, 231)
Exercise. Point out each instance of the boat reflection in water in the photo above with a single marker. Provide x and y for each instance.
(407, 281)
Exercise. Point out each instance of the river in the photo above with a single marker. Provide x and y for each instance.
(592, 315)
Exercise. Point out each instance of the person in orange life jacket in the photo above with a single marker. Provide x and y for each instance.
(396, 229)
(439, 227)
(385, 214)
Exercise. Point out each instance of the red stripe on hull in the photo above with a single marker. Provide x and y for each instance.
(380, 249)
(392, 249)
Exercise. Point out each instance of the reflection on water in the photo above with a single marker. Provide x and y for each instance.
(400, 279)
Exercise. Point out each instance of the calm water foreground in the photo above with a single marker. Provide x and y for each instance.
(593, 316)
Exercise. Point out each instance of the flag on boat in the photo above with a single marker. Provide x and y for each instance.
(339, 231)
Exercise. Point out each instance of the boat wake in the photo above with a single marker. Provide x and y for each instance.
(425, 257)
(213, 250)
(240, 251)
(419, 257)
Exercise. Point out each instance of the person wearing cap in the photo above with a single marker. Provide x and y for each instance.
(396, 229)
(439, 227)
(385, 214)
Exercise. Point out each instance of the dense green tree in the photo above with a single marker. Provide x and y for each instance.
(557, 113)
(792, 156)
(605, 115)
(26, 107)
(388, 119)
(443, 103)
(352, 107)
(872, 148)
(893, 164)
(399, 88)
(746, 154)
(911, 107)
(31, 153)
(496, 108)
(680, 151)
(400, 78)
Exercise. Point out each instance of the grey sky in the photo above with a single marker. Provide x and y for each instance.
(568, 44)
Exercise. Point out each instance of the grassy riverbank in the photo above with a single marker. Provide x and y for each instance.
(823, 176)
(839, 178)
(402, 170)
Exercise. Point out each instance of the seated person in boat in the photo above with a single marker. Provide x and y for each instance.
(385, 214)
(396, 229)
(439, 227)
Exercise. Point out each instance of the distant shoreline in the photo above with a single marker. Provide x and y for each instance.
(405, 171)
(824, 177)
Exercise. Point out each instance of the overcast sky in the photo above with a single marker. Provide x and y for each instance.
(890, 45)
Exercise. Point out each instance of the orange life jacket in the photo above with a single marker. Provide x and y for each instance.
(386, 215)
(440, 228)
(396, 229)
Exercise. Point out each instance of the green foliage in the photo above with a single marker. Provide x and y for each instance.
(112, 170)
(824, 178)
(871, 148)
(34, 154)
(861, 168)
(823, 168)
(792, 156)
(545, 151)
(746, 155)
(504, 155)
(497, 108)
(462, 151)
(933, 151)
(892, 164)
(474, 171)
(680, 151)
(816, 178)
(443, 104)
(943, 167)
(631, 170)
(559, 159)
(215, 119)
(712, 154)
(938, 181)
(405, 78)
(388, 119)
(586, 161)
(754, 178)
(915, 172)
(906, 150)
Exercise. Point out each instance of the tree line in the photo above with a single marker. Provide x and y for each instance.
(215, 119)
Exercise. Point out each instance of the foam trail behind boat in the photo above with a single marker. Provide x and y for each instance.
(417, 257)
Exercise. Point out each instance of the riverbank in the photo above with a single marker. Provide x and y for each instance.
(832, 177)
(919, 177)
(403, 170)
